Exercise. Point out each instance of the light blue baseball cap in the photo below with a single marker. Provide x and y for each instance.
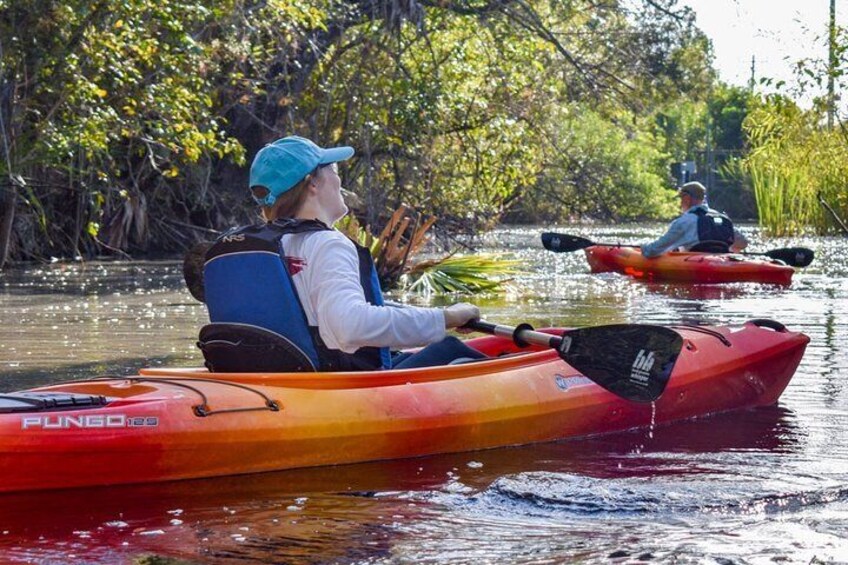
(280, 165)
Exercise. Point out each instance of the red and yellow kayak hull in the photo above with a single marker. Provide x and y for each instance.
(706, 268)
(167, 424)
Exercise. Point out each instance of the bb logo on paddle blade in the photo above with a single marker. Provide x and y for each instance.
(641, 369)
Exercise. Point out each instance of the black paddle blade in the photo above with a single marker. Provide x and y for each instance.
(792, 256)
(633, 361)
(562, 242)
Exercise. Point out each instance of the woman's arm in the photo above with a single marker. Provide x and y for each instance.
(346, 321)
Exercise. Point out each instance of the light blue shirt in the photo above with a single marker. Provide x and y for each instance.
(683, 233)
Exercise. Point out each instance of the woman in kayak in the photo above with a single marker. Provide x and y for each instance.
(697, 224)
(324, 296)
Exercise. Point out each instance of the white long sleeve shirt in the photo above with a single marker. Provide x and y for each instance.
(325, 270)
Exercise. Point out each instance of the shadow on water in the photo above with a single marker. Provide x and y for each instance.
(556, 494)
(41, 376)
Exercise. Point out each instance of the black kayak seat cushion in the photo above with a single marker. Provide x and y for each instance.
(244, 348)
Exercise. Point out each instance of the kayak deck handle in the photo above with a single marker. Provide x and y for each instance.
(703, 330)
(768, 323)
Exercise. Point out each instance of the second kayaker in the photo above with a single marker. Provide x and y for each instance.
(698, 223)
(298, 277)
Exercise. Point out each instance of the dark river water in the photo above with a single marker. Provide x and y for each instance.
(762, 486)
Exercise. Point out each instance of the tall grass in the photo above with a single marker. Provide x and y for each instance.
(792, 161)
(783, 202)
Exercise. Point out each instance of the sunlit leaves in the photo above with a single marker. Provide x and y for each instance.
(462, 110)
(794, 160)
(602, 169)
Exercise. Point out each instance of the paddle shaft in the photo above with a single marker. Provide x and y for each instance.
(833, 213)
(522, 335)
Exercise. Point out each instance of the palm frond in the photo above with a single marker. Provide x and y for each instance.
(403, 236)
(469, 274)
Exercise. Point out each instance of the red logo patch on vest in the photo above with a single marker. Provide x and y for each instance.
(295, 264)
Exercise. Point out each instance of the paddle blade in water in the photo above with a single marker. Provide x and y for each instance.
(633, 361)
(562, 242)
(792, 256)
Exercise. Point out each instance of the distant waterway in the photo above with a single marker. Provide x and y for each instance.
(761, 486)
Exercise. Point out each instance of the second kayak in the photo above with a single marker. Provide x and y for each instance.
(167, 424)
(687, 266)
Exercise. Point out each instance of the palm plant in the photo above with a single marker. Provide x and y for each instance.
(403, 237)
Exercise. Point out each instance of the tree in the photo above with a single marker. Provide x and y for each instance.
(102, 106)
(126, 123)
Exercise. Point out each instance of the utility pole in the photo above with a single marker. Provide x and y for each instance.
(753, 79)
(831, 66)
(709, 157)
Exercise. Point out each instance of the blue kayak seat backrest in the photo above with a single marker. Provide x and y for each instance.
(241, 348)
(252, 288)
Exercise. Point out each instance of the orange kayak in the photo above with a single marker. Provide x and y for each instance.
(167, 424)
(687, 267)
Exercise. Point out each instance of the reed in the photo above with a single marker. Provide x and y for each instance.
(783, 198)
(794, 161)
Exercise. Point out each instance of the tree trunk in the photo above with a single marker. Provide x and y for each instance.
(8, 200)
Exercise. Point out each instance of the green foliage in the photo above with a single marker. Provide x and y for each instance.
(675, 55)
(130, 120)
(470, 274)
(438, 128)
(603, 169)
(798, 159)
(468, 120)
(114, 96)
(793, 160)
(133, 82)
(682, 124)
(728, 107)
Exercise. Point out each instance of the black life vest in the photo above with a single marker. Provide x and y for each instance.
(713, 225)
(247, 281)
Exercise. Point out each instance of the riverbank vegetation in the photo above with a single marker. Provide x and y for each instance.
(798, 159)
(127, 126)
(793, 163)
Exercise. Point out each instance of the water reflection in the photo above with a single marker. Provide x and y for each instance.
(353, 511)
